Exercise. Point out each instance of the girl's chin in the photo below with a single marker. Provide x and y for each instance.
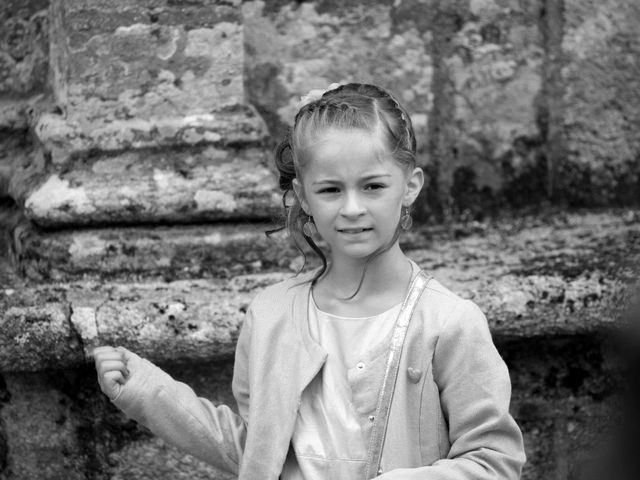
(353, 252)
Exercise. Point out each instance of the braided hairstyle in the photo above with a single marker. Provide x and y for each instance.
(351, 106)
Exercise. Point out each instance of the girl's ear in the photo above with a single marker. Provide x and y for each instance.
(297, 189)
(415, 181)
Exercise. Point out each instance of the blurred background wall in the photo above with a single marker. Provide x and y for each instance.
(136, 184)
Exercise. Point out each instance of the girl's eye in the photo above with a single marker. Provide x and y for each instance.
(328, 190)
(374, 186)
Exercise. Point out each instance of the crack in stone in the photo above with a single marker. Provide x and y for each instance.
(83, 325)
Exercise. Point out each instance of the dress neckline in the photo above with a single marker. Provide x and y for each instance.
(388, 311)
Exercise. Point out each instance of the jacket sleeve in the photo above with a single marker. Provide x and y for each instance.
(475, 391)
(172, 410)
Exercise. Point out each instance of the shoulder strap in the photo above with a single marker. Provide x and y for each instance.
(378, 432)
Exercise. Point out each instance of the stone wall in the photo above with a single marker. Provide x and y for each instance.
(136, 185)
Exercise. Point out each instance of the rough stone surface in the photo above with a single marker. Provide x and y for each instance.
(145, 75)
(294, 47)
(571, 284)
(40, 427)
(149, 59)
(194, 320)
(201, 184)
(66, 139)
(492, 54)
(38, 334)
(601, 60)
(60, 426)
(220, 251)
(569, 268)
(24, 47)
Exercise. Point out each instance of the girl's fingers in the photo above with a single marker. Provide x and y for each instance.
(106, 366)
(111, 365)
(114, 377)
(108, 355)
(98, 351)
(111, 383)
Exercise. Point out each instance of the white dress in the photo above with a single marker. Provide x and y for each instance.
(328, 442)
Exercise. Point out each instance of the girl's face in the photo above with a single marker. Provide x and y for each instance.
(354, 193)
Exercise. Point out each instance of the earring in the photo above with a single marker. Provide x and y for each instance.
(309, 228)
(405, 220)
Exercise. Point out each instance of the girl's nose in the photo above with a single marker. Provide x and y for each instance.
(352, 206)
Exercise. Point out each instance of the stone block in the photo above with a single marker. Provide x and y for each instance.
(169, 253)
(147, 74)
(148, 59)
(600, 56)
(37, 335)
(139, 186)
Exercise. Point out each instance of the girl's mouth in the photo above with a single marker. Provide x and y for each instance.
(353, 230)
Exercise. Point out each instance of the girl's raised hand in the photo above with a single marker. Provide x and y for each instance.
(111, 365)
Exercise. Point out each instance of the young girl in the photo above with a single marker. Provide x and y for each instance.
(362, 368)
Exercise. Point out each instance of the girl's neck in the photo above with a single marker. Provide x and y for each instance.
(384, 284)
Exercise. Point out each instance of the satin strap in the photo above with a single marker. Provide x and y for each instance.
(379, 429)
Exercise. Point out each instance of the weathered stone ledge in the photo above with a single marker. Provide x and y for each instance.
(166, 252)
(152, 186)
(68, 138)
(564, 245)
(558, 277)
(57, 326)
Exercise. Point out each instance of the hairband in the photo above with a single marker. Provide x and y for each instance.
(315, 94)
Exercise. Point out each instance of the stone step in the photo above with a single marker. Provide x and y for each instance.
(57, 325)
(67, 138)
(164, 252)
(151, 186)
(544, 277)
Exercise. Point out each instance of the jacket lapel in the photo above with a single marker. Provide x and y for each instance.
(277, 384)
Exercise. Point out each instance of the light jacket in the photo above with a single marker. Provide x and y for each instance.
(449, 418)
